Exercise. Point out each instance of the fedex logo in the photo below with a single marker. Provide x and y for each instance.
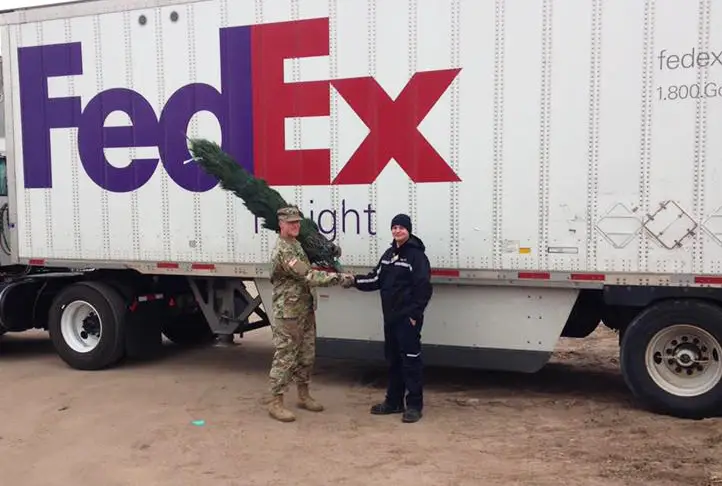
(251, 106)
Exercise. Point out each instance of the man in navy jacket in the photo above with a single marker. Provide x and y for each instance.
(403, 277)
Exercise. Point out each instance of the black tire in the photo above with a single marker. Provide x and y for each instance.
(619, 317)
(639, 334)
(188, 330)
(111, 311)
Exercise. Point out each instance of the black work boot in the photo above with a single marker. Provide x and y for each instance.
(386, 409)
(411, 415)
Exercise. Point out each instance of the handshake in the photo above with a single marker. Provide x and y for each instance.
(347, 280)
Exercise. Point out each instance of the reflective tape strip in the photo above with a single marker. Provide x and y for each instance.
(589, 277)
(444, 272)
(167, 265)
(534, 275)
(203, 266)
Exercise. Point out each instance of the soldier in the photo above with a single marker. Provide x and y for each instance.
(294, 321)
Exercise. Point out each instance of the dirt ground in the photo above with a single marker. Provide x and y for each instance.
(573, 423)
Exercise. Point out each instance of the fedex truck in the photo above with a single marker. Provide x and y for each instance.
(559, 159)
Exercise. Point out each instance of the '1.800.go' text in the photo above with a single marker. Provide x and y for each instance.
(693, 91)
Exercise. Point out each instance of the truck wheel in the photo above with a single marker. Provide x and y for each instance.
(671, 358)
(188, 330)
(86, 325)
(619, 317)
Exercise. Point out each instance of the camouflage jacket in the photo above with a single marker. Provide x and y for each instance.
(294, 280)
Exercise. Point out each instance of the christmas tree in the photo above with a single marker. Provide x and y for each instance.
(262, 201)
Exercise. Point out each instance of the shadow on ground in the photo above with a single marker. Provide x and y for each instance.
(556, 381)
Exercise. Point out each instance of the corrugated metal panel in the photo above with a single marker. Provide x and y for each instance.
(577, 133)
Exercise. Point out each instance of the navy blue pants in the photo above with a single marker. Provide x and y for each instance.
(402, 347)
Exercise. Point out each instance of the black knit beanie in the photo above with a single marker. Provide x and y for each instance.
(402, 220)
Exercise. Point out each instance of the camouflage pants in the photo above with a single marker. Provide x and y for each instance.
(295, 343)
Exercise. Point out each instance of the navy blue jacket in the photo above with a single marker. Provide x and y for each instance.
(403, 277)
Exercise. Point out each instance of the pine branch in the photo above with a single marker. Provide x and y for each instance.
(261, 200)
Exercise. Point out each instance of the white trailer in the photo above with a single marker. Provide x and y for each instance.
(557, 157)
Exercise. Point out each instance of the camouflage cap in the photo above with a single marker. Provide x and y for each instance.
(289, 214)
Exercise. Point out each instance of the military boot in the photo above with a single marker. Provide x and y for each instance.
(278, 411)
(306, 401)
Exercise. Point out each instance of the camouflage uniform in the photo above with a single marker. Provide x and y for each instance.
(294, 303)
